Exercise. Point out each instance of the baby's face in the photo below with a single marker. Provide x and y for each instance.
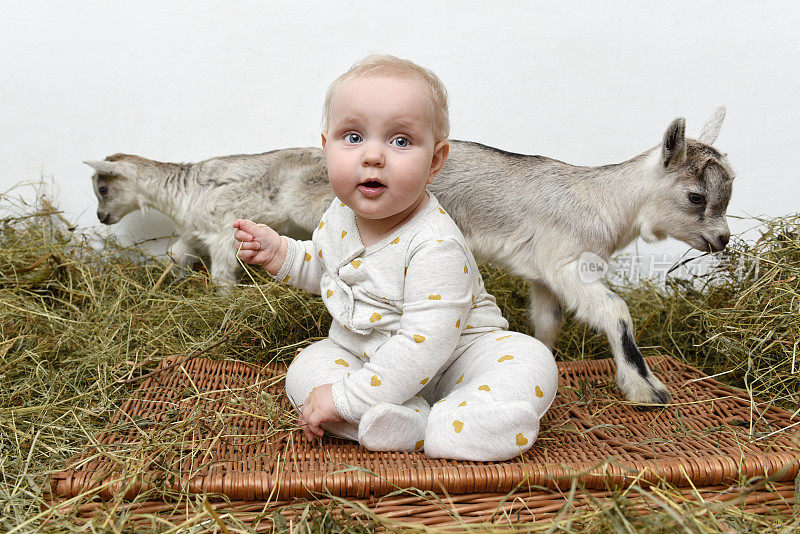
(380, 145)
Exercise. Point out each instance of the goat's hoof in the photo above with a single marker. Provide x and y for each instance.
(659, 398)
(647, 394)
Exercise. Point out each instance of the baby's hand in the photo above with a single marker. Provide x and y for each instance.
(259, 245)
(318, 408)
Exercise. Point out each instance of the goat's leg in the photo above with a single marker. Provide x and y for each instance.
(184, 254)
(224, 264)
(545, 313)
(604, 310)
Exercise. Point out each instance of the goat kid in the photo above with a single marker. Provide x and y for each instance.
(537, 217)
(288, 189)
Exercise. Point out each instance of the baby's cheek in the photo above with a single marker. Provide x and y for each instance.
(337, 174)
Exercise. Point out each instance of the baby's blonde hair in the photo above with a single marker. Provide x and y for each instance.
(375, 65)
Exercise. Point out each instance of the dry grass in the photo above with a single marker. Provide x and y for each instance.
(78, 320)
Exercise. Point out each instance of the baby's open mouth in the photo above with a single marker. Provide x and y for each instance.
(371, 188)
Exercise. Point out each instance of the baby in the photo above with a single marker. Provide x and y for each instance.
(417, 355)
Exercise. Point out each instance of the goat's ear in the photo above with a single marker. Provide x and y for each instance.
(710, 131)
(120, 168)
(673, 149)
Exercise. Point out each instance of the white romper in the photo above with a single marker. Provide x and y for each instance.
(413, 325)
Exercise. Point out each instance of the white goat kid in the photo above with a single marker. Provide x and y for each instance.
(532, 215)
(538, 217)
(287, 188)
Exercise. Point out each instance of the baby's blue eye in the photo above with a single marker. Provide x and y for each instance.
(401, 142)
(352, 138)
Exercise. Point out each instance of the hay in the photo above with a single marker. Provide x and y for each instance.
(81, 321)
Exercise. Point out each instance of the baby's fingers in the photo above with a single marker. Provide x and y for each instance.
(308, 431)
(242, 224)
(249, 226)
(246, 255)
(303, 424)
(314, 423)
(248, 245)
(241, 235)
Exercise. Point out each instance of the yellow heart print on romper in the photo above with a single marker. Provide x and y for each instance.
(458, 426)
(539, 392)
(375, 381)
(506, 357)
(521, 440)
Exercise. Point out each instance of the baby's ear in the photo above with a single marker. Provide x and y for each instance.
(440, 153)
(324, 135)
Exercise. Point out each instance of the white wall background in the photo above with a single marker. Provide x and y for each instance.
(586, 82)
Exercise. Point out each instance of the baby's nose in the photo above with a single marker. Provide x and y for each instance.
(372, 155)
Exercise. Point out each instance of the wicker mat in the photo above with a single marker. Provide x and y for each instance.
(213, 427)
(535, 505)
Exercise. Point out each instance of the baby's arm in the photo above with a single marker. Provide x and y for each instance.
(290, 261)
(437, 298)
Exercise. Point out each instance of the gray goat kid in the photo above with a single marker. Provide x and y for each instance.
(534, 216)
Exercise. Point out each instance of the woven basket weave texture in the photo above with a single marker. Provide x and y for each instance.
(710, 435)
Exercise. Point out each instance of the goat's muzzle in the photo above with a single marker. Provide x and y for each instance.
(718, 244)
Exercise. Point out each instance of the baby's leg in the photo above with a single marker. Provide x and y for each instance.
(395, 427)
(324, 362)
(384, 427)
(492, 398)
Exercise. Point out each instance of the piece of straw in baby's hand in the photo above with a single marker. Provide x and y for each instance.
(238, 259)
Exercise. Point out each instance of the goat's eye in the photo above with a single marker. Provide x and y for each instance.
(103, 190)
(696, 198)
